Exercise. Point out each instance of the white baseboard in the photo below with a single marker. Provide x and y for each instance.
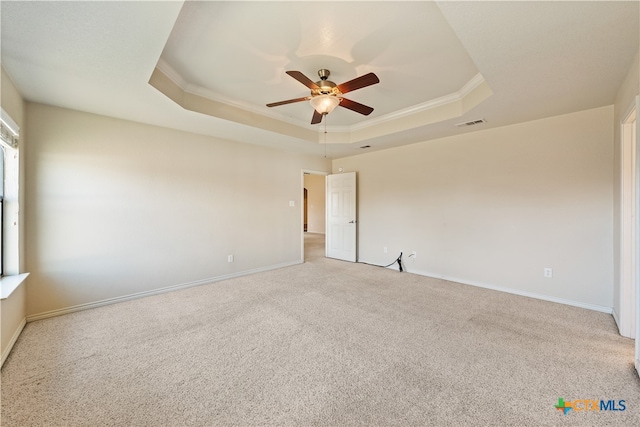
(616, 318)
(80, 307)
(109, 301)
(623, 331)
(13, 340)
(594, 307)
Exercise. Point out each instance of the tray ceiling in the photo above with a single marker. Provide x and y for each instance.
(214, 65)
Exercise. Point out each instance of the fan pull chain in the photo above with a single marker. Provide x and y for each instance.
(325, 136)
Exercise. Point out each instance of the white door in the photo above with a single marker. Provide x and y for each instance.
(341, 216)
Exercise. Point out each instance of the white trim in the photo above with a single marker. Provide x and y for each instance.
(109, 301)
(171, 74)
(637, 238)
(310, 172)
(594, 307)
(9, 123)
(616, 318)
(9, 131)
(475, 81)
(472, 84)
(8, 284)
(209, 94)
(629, 111)
(13, 340)
(628, 244)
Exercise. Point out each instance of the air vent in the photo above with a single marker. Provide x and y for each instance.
(471, 123)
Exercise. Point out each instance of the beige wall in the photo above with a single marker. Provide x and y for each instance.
(13, 312)
(496, 207)
(13, 309)
(115, 208)
(628, 90)
(118, 208)
(12, 101)
(316, 200)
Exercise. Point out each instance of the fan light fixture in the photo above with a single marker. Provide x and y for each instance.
(324, 104)
(326, 95)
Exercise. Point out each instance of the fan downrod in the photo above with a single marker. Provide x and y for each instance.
(324, 74)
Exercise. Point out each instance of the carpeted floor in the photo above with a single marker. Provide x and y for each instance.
(324, 343)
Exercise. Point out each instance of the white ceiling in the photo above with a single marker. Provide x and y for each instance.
(439, 64)
(408, 46)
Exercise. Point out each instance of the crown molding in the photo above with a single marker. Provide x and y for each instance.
(457, 96)
(190, 88)
(415, 110)
(172, 74)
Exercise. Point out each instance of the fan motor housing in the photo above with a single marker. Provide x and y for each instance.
(326, 87)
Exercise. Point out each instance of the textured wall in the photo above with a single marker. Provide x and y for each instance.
(496, 207)
(117, 207)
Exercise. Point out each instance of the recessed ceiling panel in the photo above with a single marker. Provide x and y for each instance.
(238, 52)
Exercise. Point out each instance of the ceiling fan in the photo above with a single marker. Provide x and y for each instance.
(326, 95)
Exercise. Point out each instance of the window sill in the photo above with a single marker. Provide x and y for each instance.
(8, 284)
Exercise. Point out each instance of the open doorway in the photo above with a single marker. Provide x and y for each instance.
(313, 213)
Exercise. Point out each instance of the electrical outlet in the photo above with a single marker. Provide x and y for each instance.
(385, 250)
(230, 258)
(548, 272)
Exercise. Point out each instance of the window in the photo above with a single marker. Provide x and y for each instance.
(9, 134)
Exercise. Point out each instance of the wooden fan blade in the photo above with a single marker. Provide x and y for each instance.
(317, 118)
(303, 79)
(356, 106)
(359, 83)
(289, 101)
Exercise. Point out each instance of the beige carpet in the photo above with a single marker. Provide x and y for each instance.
(325, 343)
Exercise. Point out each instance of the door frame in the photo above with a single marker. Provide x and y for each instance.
(628, 222)
(629, 284)
(304, 172)
(637, 230)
